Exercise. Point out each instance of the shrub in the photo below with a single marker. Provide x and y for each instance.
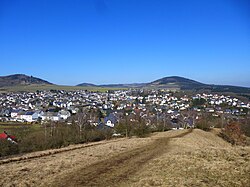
(203, 125)
(141, 130)
(8, 148)
(245, 127)
(124, 128)
(233, 134)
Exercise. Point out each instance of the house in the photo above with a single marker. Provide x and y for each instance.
(210, 110)
(50, 116)
(64, 114)
(14, 113)
(6, 136)
(29, 116)
(228, 111)
(189, 122)
(176, 126)
(110, 120)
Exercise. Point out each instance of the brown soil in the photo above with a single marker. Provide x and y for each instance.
(174, 158)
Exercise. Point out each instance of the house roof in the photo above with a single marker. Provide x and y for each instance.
(110, 117)
(3, 136)
(50, 114)
(101, 126)
(16, 110)
(29, 113)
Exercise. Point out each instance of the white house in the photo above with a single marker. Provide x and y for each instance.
(110, 120)
(64, 114)
(109, 123)
(14, 113)
(50, 116)
(29, 116)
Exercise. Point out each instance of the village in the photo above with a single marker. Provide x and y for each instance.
(176, 108)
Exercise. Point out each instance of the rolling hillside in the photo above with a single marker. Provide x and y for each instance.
(188, 84)
(86, 85)
(172, 158)
(179, 83)
(20, 79)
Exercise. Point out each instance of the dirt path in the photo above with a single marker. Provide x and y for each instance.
(117, 169)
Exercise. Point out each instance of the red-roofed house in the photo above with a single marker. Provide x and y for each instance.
(5, 136)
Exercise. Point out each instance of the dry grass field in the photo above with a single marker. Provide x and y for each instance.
(173, 158)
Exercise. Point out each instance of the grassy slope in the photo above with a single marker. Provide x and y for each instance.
(196, 159)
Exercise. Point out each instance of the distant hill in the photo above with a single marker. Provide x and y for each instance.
(166, 82)
(188, 84)
(133, 85)
(87, 85)
(178, 83)
(20, 79)
(172, 83)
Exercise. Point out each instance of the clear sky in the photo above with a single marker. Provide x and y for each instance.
(125, 41)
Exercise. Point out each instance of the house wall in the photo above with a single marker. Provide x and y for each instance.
(27, 118)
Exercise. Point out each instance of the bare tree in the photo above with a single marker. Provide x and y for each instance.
(81, 120)
(186, 116)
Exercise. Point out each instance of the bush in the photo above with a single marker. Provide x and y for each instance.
(198, 102)
(50, 136)
(203, 125)
(8, 148)
(233, 134)
(245, 127)
(56, 135)
(141, 130)
(95, 135)
(32, 142)
(124, 129)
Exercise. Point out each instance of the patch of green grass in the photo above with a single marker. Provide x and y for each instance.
(12, 128)
(35, 127)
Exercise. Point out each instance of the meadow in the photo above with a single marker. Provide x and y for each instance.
(34, 87)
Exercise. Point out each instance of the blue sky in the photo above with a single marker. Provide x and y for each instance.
(125, 41)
